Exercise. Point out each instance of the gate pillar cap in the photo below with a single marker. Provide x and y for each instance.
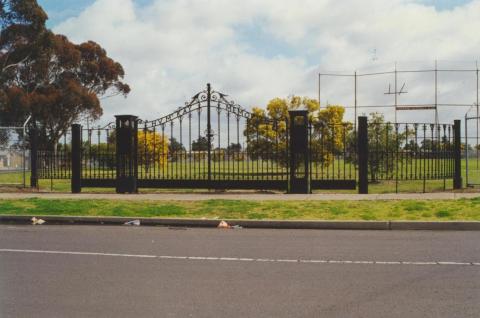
(126, 117)
(125, 120)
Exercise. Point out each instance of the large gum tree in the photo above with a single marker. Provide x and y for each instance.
(45, 75)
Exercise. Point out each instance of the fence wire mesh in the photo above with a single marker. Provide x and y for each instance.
(471, 147)
(14, 156)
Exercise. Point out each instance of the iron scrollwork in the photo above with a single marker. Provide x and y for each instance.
(198, 102)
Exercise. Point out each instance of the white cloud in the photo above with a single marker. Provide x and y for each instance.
(170, 49)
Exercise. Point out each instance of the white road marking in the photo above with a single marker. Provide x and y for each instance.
(78, 253)
(242, 259)
(455, 263)
(422, 263)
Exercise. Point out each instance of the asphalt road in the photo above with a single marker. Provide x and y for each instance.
(87, 271)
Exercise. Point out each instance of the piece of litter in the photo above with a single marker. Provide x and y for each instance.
(134, 222)
(224, 225)
(237, 227)
(36, 221)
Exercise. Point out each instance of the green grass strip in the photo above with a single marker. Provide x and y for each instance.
(446, 210)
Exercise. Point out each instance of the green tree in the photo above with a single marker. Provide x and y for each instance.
(102, 153)
(234, 147)
(384, 141)
(201, 144)
(175, 146)
(23, 34)
(45, 75)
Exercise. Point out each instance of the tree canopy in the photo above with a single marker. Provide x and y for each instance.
(153, 149)
(201, 144)
(45, 75)
(266, 130)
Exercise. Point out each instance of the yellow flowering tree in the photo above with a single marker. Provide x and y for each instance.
(152, 149)
(266, 130)
(329, 135)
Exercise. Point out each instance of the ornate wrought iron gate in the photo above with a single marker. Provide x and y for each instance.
(213, 143)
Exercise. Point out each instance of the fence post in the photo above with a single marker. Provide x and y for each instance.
(209, 134)
(126, 153)
(457, 154)
(33, 157)
(299, 152)
(76, 158)
(362, 152)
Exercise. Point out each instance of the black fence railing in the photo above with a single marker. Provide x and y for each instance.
(214, 143)
(333, 155)
(98, 153)
(405, 151)
(55, 163)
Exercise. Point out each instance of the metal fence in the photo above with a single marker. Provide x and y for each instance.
(213, 143)
(98, 155)
(14, 156)
(417, 152)
(472, 150)
(333, 156)
(55, 162)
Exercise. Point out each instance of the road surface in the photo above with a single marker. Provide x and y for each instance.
(101, 271)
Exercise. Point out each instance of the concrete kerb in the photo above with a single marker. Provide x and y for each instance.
(258, 224)
(435, 226)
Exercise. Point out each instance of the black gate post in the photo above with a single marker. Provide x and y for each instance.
(209, 134)
(457, 178)
(299, 152)
(126, 153)
(362, 153)
(33, 157)
(76, 158)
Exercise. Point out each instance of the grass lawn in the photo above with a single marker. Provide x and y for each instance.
(447, 210)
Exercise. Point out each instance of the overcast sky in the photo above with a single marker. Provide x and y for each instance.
(255, 50)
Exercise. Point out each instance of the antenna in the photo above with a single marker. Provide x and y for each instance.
(400, 92)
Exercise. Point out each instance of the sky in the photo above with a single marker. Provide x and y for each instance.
(255, 50)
